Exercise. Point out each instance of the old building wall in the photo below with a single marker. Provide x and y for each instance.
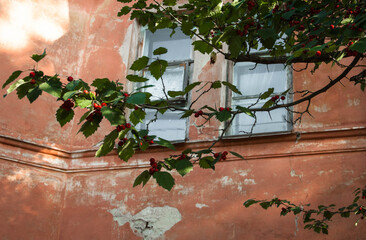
(54, 188)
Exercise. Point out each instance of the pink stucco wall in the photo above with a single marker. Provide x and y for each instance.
(52, 186)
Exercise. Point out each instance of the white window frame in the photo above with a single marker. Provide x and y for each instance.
(231, 132)
(182, 101)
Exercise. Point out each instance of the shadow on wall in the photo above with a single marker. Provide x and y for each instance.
(25, 21)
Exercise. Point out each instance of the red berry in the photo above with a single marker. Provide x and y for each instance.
(136, 108)
(228, 109)
(200, 112)
(128, 125)
(32, 74)
(196, 115)
(126, 94)
(301, 27)
(85, 92)
(152, 160)
(94, 93)
(221, 109)
(151, 171)
(318, 53)
(223, 157)
(104, 104)
(70, 78)
(216, 155)
(332, 26)
(151, 142)
(33, 81)
(283, 97)
(276, 97)
(96, 106)
(224, 153)
(119, 128)
(120, 143)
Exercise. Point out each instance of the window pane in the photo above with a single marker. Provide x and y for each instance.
(276, 122)
(173, 81)
(256, 81)
(179, 45)
(168, 126)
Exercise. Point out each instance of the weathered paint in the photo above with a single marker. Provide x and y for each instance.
(54, 188)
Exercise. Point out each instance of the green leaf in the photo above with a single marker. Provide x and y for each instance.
(101, 83)
(69, 94)
(265, 205)
(164, 179)
(34, 94)
(23, 89)
(126, 151)
(85, 115)
(232, 87)
(89, 127)
(345, 214)
(125, 10)
(237, 155)
(83, 103)
(359, 46)
(223, 115)
(12, 77)
(15, 85)
(328, 215)
(108, 144)
(114, 116)
(37, 57)
(165, 143)
(53, 86)
(174, 94)
(187, 113)
(324, 231)
(216, 84)
(268, 104)
(202, 46)
(245, 110)
(169, 2)
(191, 86)
(137, 98)
(267, 93)
(160, 51)
(140, 63)
(157, 68)
(207, 162)
(64, 116)
(250, 202)
(143, 178)
(184, 166)
(235, 44)
(137, 116)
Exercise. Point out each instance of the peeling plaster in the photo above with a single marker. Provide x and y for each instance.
(226, 181)
(353, 102)
(151, 223)
(243, 173)
(293, 174)
(201, 205)
(323, 108)
(249, 181)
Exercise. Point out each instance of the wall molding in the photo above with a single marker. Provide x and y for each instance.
(295, 144)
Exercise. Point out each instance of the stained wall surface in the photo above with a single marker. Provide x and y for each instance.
(54, 188)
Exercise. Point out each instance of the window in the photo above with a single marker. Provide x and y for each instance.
(176, 77)
(252, 80)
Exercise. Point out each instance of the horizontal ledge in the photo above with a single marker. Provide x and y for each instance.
(225, 143)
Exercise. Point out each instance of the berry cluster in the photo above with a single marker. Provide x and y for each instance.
(275, 98)
(32, 75)
(122, 142)
(67, 105)
(222, 109)
(181, 157)
(149, 141)
(221, 155)
(199, 113)
(123, 127)
(154, 166)
(349, 51)
(251, 5)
